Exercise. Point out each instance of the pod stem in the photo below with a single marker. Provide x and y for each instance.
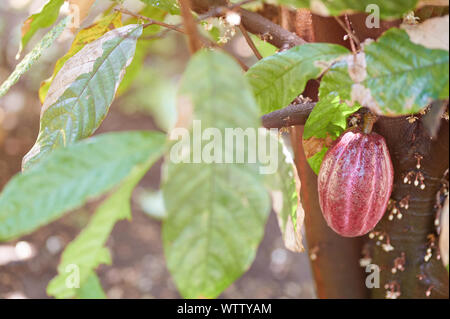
(369, 120)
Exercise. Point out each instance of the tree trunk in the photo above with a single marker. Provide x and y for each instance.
(415, 232)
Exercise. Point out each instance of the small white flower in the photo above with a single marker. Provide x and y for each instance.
(233, 18)
(363, 262)
(392, 294)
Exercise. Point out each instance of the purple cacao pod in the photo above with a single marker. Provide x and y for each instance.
(355, 182)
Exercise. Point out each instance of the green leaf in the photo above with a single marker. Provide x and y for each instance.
(278, 79)
(70, 176)
(285, 201)
(41, 20)
(387, 8)
(170, 6)
(82, 91)
(216, 212)
(265, 48)
(91, 289)
(33, 56)
(393, 76)
(85, 36)
(316, 160)
(328, 117)
(327, 120)
(88, 250)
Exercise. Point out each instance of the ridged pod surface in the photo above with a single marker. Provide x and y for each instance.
(355, 182)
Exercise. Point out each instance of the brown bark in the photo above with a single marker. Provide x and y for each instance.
(294, 114)
(256, 24)
(412, 235)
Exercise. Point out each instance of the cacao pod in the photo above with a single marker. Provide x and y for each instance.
(355, 182)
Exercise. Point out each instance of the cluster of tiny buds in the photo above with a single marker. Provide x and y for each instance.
(445, 115)
(418, 179)
(411, 119)
(365, 261)
(404, 202)
(387, 247)
(399, 263)
(393, 209)
(229, 32)
(392, 290)
(431, 245)
(410, 18)
(418, 159)
(355, 120)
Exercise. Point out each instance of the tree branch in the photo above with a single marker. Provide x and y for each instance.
(294, 114)
(190, 26)
(150, 20)
(254, 23)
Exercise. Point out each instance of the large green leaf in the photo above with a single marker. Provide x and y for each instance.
(85, 36)
(387, 8)
(45, 18)
(285, 200)
(83, 90)
(278, 79)
(392, 76)
(216, 212)
(31, 58)
(326, 123)
(70, 176)
(316, 160)
(88, 250)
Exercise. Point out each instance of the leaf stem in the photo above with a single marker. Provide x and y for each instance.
(151, 21)
(351, 35)
(250, 42)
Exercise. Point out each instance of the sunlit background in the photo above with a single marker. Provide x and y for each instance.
(139, 269)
